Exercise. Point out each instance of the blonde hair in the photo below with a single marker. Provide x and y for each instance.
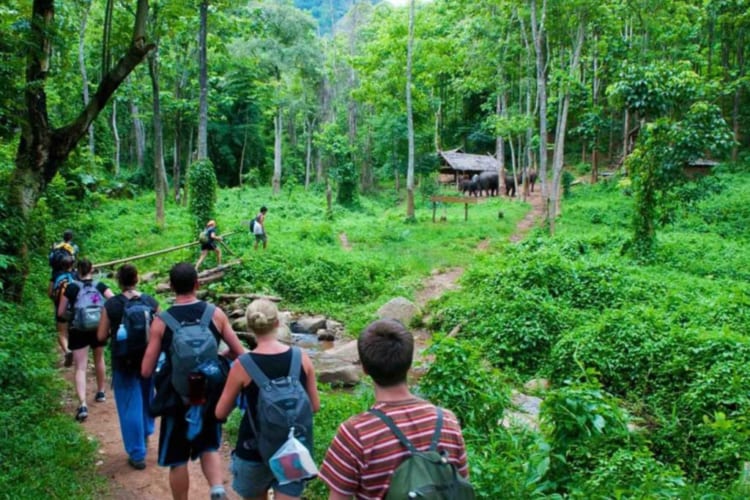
(262, 316)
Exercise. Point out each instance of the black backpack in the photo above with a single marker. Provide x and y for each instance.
(425, 474)
(283, 403)
(136, 320)
(58, 253)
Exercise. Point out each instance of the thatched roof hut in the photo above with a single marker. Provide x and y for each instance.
(455, 164)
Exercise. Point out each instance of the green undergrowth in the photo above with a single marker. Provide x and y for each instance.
(44, 453)
(648, 359)
(662, 346)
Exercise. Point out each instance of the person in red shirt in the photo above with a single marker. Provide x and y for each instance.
(364, 453)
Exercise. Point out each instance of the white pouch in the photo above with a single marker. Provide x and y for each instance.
(292, 462)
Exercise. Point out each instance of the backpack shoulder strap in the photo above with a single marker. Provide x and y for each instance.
(394, 429)
(252, 369)
(295, 367)
(438, 428)
(208, 314)
(170, 321)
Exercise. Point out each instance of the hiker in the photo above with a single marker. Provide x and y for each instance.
(126, 319)
(175, 448)
(365, 452)
(62, 257)
(209, 242)
(252, 474)
(57, 288)
(82, 303)
(259, 228)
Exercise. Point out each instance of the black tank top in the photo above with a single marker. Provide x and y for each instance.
(274, 366)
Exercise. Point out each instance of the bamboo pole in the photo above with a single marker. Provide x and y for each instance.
(152, 254)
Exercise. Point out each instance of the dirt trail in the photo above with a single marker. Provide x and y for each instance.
(153, 482)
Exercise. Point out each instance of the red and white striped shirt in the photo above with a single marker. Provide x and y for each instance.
(364, 453)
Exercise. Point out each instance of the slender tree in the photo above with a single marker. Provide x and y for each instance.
(410, 116)
(43, 148)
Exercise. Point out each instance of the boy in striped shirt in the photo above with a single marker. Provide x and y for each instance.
(364, 453)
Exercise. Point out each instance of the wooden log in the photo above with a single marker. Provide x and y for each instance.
(154, 253)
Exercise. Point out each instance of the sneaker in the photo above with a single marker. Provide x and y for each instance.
(219, 495)
(100, 397)
(68, 359)
(82, 413)
(137, 464)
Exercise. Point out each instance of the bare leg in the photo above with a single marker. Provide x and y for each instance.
(179, 482)
(212, 468)
(101, 369)
(62, 337)
(81, 360)
(200, 259)
(218, 256)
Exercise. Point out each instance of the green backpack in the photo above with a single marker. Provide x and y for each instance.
(203, 237)
(425, 474)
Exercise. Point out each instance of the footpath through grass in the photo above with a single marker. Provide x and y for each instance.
(43, 451)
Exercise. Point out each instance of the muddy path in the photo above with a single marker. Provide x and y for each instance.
(152, 483)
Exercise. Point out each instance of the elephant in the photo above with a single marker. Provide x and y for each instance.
(510, 185)
(531, 179)
(488, 183)
(470, 186)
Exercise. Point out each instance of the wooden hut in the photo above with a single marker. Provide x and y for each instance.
(456, 165)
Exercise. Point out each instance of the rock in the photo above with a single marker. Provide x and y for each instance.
(345, 352)
(240, 324)
(285, 317)
(308, 324)
(536, 385)
(325, 336)
(145, 278)
(525, 412)
(400, 309)
(284, 334)
(163, 288)
(236, 313)
(342, 375)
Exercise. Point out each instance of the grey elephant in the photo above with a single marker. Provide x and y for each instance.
(469, 186)
(488, 183)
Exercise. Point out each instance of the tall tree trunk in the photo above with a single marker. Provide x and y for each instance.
(116, 138)
(410, 116)
(42, 149)
(309, 127)
(277, 130)
(203, 83)
(500, 111)
(562, 123)
(538, 35)
(738, 96)
(242, 157)
(84, 75)
(160, 174)
(139, 135)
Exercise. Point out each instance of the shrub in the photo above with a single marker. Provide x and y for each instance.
(625, 347)
(202, 184)
(460, 380)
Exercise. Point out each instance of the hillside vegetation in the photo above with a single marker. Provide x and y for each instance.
(648, 362)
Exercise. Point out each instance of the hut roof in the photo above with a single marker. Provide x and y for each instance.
(457, 160)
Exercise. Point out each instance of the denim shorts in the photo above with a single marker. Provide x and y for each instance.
(253, 479)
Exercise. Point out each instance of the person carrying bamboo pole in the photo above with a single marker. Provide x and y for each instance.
(209, 242)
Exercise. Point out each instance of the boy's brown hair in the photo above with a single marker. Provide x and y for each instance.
(386, 349)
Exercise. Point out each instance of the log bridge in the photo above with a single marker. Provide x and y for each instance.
(453, 199)
(157, 252)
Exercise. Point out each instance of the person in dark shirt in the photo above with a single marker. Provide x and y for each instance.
(253, 477)
(133, 393)
(79, 341)
(211, 244)
(175, 450)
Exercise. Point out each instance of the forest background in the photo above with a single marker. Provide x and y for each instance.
(353, 100)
